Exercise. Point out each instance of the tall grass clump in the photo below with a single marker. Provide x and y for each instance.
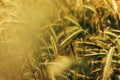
(59, 40)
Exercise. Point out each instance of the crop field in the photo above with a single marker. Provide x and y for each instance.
(59, 40)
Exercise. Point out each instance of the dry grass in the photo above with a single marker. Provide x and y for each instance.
(59, 40)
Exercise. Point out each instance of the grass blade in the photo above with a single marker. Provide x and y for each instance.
(107, 67)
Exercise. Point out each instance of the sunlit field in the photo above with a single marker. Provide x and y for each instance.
(59, 40)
